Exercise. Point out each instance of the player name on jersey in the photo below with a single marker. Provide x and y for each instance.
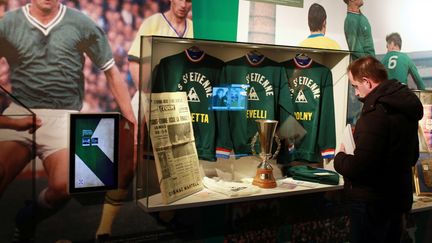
(199, 117)
(258, 114)
(303, 116)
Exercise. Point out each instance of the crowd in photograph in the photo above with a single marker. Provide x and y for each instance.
(120, 19)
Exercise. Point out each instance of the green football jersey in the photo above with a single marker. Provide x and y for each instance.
(311, 87)
(267, 94)
(197, 77)
(358, 34)
(399, 66)
(46, 61)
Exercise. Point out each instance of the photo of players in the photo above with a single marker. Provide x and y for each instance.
(163, 160)
(179, 133)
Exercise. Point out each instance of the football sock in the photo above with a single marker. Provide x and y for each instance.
(113, 201)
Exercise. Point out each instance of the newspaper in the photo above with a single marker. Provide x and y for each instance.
(174, 148)
(348, 140)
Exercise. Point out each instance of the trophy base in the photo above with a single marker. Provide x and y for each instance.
(264, 178)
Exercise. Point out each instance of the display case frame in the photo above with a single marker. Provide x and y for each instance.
(154, 48)
(32, 169)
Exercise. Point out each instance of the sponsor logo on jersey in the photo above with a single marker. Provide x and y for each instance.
(193, 96)
(262, 80)
(301, 83)
(301, 98)
(198, 78)
(253, 94)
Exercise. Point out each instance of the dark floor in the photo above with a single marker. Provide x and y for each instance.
(78, 223)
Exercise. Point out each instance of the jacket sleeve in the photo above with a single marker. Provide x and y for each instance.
(370, 136)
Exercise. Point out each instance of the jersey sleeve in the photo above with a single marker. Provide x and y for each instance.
(412, 69)
(327, 131)
(224, 143)
(351, 36)
(97, 48)
(158, 84)
(366, 41)
(285, 100)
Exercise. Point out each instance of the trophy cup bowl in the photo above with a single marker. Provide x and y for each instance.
(266, 132)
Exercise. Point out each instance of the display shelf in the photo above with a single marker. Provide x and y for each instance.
(154, 48)
(207, 197)
(421, 204)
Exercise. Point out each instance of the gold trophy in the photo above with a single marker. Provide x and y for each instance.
(266, 131)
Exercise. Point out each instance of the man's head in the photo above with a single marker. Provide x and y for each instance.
(394, 42)
(357, 3)
(317, 18)
(220, 92)
(181, 8)
(366, 74)
(46, 6)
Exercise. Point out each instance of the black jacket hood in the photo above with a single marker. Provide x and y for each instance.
(394, 95)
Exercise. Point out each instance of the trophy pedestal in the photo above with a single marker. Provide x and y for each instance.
(264, 178)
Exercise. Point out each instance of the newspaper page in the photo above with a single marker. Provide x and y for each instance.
(174, 148)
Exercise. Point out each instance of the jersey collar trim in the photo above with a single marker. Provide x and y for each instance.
(315, 35)
(45, 29)
(107, 65)
(252, 63)
(172, 27)
(358, 13)
(192, 59)
(299, 65)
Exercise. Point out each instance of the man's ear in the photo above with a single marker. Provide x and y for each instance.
(368, 82)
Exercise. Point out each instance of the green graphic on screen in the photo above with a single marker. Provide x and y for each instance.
(94, 152)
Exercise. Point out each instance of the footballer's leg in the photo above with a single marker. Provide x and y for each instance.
(13, 158)
(49, 201)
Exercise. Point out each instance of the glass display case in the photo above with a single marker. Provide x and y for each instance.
(34, 168)
(152, 165)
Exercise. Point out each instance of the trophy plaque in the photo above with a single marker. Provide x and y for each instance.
(266, 132)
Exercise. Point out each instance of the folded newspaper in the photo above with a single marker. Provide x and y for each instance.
(229, 188)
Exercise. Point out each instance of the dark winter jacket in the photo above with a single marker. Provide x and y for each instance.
(386, 148)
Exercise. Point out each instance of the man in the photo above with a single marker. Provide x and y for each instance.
(378, 177)
(220, 99)
(317, 20)
(358, 32)
(44, 43)
(173, 23)
(398, 64)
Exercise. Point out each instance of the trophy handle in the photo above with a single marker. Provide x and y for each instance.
(278, 142)
(254, 139)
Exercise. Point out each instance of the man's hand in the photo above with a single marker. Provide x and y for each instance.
(20, 124)
(342, 148)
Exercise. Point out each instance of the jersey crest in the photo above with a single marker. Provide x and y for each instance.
(193, 96)
(301, 98)
(253, 94)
